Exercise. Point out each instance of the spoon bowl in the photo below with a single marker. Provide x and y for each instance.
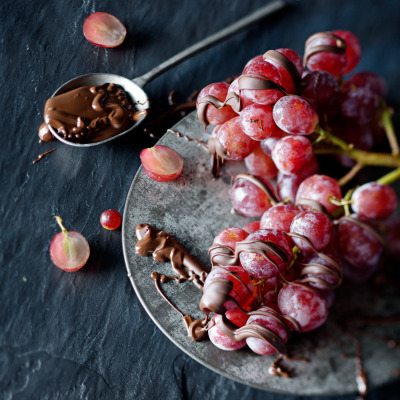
(134, 88)
(134, 91)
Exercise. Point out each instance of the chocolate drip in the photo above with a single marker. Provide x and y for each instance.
(218, 155)
(258, 82)
(40, 156)
(260, 184)
(313, 204)
(90, 114)
(224, 255)
(312, 45)
(215, 295)
(252, 330)
(163, 247)
(319, 269)
(196, 328)
(286, 64)
(232, 99)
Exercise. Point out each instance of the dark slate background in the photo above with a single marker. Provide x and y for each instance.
(85, 335)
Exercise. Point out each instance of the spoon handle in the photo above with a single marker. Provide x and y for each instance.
(209, 41)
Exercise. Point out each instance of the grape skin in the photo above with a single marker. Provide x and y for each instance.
(295, 115)
(307, 306)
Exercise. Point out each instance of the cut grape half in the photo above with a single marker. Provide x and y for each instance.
(104, 30)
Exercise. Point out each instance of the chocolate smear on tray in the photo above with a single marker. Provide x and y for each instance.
(286, 64)
(163, 247)
(313, 45)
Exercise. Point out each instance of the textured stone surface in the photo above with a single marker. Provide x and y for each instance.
(85, 335)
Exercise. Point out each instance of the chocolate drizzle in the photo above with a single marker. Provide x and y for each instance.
(163, 247)
(313, 45)
(40, 156)
(232, 99)
(286, 64)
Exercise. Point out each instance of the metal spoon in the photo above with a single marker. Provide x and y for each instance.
(134, 88)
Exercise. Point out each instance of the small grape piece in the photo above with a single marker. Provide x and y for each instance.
(291, 154)
(69, 250)
(374, 200)
(161, 163)
(306, 305)
(104, 30)
(315, 226)
(295, 115)
(110, 219)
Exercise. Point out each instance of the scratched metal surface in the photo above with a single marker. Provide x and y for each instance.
(86, 335)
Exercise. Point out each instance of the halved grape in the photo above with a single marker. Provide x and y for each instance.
(161, 163)
(69, 250)
(104, 30)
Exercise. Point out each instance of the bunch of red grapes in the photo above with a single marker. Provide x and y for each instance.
(284, 266)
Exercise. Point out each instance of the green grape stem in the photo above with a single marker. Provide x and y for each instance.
(361, 156)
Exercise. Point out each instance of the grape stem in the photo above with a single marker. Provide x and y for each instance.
(389, 130)
(59, 222)
(351, 174)
(390, 177)
(364, 157)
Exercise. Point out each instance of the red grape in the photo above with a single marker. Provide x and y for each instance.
(358, 245)
(320, 188)
(252, 226)
(219, 339)
(331, 62)
(287, 185)
(268, 144)
(262, 96)
(306, 305)
(69, 250)
(104, 30)
(234, 87)
(287, 80)
(358, 103)
(230, 236)
(353, 49)
(295, 115)
(236, 143)
(292, 153)
(261, 346)
(258, 163)
(371, 81)
(110, 219)
(279, 217)
(256, 121)
(161, 163)
(243, 288)
(315, 226)
(374, 200)
(256, 264)
(248, 199)
(216, 116)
